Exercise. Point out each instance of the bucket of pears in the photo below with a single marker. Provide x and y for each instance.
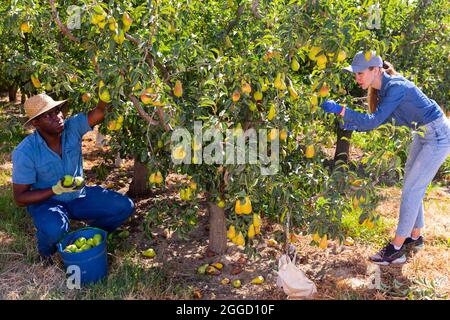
(85, 248)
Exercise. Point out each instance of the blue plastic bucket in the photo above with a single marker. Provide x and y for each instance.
(93, 263)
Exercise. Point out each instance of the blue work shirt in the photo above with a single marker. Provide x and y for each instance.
(36, 164)
(399, 101)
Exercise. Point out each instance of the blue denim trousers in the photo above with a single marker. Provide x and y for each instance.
(102, 208)
(426, 155)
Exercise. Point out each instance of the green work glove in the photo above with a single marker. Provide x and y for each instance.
(68, 184)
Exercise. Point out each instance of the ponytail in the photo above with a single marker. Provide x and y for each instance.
(372, 95)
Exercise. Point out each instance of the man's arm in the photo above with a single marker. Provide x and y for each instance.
(24, 197)
(96, 115)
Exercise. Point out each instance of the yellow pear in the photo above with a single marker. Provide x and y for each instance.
(295, 65)
(313, 52)
(150, 253)
(137, 86)
(236, 283)
(246, 88)
(341, 56)
(273, 134)
(236, 95)
(323, 242)
(119, 37)
(127, 21)
(251, 231)
(86, 97)
(324, 91)
(25, 27)
(147, 96)
(272, 243)
(264, 85)
(179, 153)
(257, 220)
(243, 207)
(35, 81)
(258, 280)
(314, 100)
(309, 153)
(102, 24)
(178, 89)
(283, 134)
(279, 82)
(231, 233)
(112, 125)
(221, 203)
(316, 237)
(103, 92)
(112, 24)
(159, 178)
(217, 265)
(272, 112)
(257, 96)
(321, 60)
(240, 241)
(293, 93)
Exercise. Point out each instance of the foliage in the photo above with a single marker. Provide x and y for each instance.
(214, 49)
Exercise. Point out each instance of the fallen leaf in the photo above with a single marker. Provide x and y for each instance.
(197, 294)
(236, 270)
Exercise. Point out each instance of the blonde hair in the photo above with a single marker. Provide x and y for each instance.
(372, 96)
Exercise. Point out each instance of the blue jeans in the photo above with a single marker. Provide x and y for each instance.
(103, 208)
(425, 156)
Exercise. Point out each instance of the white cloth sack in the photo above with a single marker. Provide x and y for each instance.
(292, 280)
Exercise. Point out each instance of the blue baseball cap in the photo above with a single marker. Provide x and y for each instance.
(360, 62)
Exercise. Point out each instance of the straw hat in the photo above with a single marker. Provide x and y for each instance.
(39, 104)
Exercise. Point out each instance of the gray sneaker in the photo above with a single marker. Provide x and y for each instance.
(388, 255)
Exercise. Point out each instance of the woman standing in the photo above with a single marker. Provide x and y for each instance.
(392, 98)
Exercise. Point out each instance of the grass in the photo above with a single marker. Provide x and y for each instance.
(376, 236)
(15, 223)
(129, 280)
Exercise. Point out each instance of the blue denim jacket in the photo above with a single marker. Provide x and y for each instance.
(399, 100)
(36, 164)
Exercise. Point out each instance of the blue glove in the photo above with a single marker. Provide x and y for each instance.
(331, 106)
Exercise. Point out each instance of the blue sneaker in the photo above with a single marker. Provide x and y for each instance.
(389, 255)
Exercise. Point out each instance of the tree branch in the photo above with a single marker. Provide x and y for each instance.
(147, 117)
(160, 113)
(151, 60)
(234, 22)
(255, 6)
(142, 112)
(62, 27)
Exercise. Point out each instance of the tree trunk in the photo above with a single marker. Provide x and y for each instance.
(217, 229)
(12, 92)
(342, 145)
(139, 186)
